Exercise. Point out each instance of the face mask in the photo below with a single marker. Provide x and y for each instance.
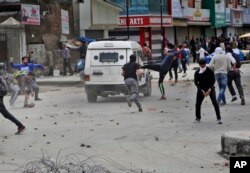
(202, 69)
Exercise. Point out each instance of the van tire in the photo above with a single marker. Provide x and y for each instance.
(148, 88)
(91, 98)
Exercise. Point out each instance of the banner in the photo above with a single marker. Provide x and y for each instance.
(30, 14)
(65, 21)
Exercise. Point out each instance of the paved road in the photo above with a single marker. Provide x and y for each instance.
(160, 139)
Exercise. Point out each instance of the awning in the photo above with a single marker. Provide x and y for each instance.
(245, 35)
(179, 22)
(199, 23)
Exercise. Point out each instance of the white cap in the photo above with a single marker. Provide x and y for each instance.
(218, 50)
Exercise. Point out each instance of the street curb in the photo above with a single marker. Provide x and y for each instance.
(60, 83)
(235, 143)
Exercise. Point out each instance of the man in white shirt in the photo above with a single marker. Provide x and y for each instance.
(201, 52)
(221, 63)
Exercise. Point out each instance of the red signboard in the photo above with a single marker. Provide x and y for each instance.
(143, 21)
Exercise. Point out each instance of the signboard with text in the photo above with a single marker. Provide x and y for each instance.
(143, 21)
(30, 14)
(192, 14)
(65, 21)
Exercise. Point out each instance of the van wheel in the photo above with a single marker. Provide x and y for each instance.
(92, 98)
(148, 87)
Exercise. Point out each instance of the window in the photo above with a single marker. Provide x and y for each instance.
(108, 57)
(155, 6)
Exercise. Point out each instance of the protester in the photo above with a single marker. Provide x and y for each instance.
(66, 59)
(163, 69)
(13, 86)
(201, 51)
(221, 63)
(234, 75)
(29, 67)
(5, 112)
(185, 55)
(130, 72)
(204, 80)
(146, 52)
(174, 66)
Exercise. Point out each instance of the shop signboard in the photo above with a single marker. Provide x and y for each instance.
(220, 11)
(228, 15)
(193, 14)
(246, 16)
(176, 9)
(65, 21)
(30, 14)
(236, 17)
(143, 21)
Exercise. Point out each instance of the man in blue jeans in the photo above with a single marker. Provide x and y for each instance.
(29, 67)
(221, 63)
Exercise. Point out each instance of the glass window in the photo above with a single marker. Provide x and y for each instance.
(155, 6)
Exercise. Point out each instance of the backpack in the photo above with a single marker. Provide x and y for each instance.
(183, 55)
(3, 88)
(237, 59)
(80, 65)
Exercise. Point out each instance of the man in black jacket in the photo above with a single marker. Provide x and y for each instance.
(6, 113)
(130, 72)
(204, 80)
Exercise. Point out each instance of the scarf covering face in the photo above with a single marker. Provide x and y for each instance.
(202, 69)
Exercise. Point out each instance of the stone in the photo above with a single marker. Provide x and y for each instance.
(236, 143)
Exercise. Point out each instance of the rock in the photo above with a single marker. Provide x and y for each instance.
(235, 143)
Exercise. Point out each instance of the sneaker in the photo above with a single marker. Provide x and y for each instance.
(234, 99)
(219, 121)
(129, 102)
(29, 105)
(184, 75)
(20, 130)
(163, 98)
(243, 101)
(140, 109)
(170, 78)
(222, 104)
(180, 71)
(38, 99)
(197, 121)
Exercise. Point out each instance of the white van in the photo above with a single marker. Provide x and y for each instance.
(103, 67)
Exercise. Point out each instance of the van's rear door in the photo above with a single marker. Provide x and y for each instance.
(106, 65)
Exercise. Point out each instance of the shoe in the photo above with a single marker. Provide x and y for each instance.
(20, 130)
(197, 121)
(129, 102)
(38, 99)
(176, 81)
(243, 101)
(29, 105)
(233, 99)
(163, 98)
(222, 104)
(170, 78)
(184, 75)
(180, 71)
(219, 121)
(140, 109)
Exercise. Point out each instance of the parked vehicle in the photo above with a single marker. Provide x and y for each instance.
(103, 67)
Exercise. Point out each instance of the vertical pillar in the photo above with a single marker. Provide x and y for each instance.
(142, 36)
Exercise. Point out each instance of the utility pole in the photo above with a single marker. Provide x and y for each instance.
(127, 21)
(162, 30)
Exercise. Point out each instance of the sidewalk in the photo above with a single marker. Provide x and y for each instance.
(60, 80)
